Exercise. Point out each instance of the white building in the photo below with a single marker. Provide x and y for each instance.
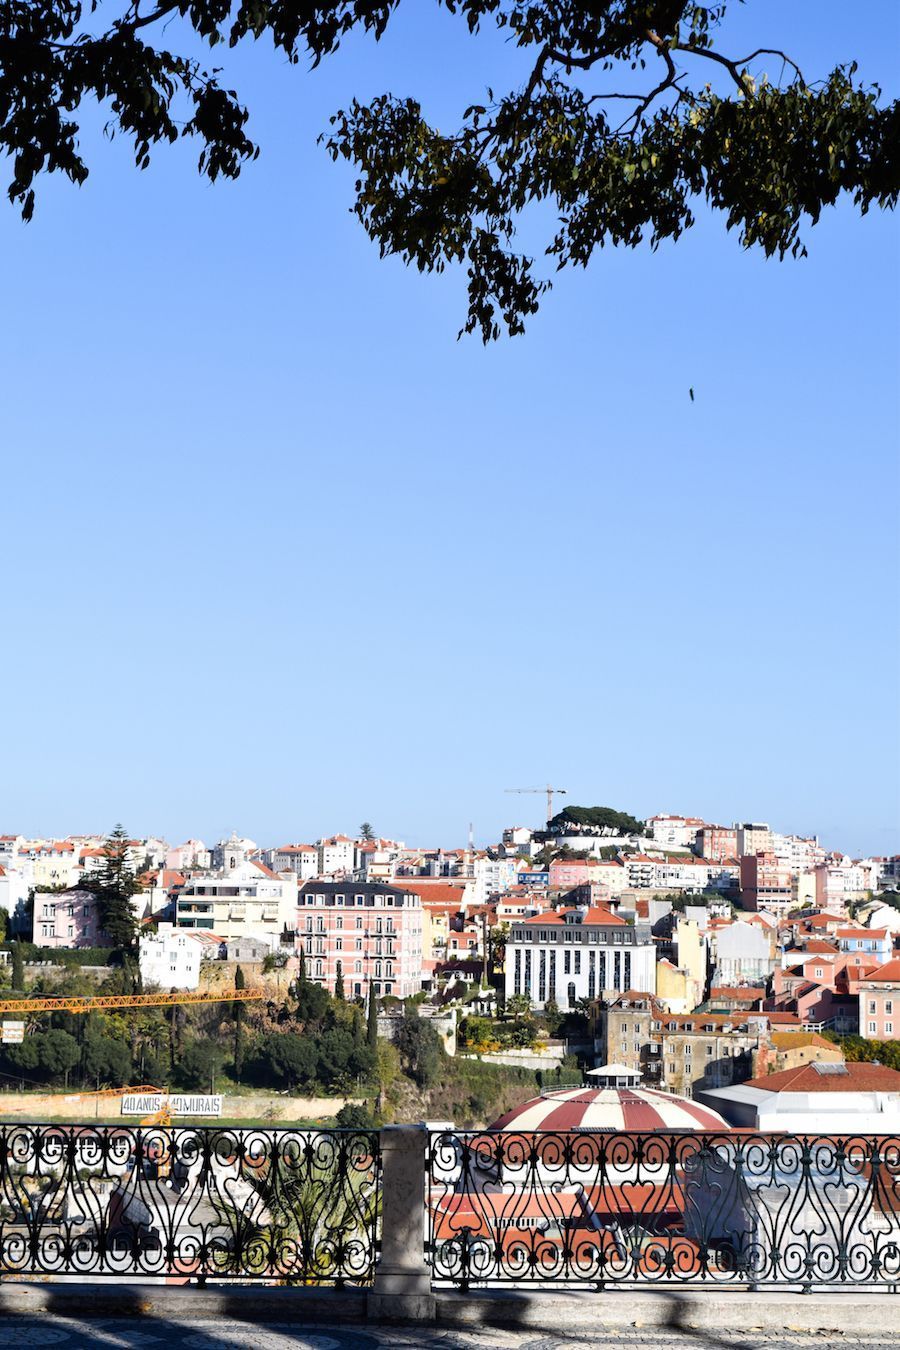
(675, 831)
(742, 953)
(795, 853)
(819, 1098)
(583, 954)
(335, 855)
(14, 887)
(302, 859)
(242, 898)
(171, 957)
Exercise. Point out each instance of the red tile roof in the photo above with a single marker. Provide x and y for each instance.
(858, 1078)
(886, 974)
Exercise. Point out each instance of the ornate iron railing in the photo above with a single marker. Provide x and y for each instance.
(191, 1201)
(663, 1208)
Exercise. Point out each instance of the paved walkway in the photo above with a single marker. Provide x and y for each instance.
(70, 1333)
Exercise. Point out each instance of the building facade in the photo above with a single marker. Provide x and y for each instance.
(241, 897)
(370, 933)
(171, 957)
(581, 954)
(766, 884)
(879, 1004)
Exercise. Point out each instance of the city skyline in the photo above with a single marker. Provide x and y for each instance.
(265, 838)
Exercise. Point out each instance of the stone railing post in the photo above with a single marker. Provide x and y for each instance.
(402, 1289)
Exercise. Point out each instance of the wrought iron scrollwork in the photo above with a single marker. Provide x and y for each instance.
(651, 1208)
(191, 1201)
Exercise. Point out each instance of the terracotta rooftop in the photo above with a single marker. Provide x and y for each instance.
(808, 1078)
(887, 974)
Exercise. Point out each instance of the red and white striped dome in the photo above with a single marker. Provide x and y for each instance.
(610, 1109)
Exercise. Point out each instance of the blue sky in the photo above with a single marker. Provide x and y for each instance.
(281, 554)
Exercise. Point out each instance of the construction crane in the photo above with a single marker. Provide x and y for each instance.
(549, 791)
(112, 1002)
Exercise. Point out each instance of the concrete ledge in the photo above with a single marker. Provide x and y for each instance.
(675, 1309)
(735, 1310)
(255, 1303)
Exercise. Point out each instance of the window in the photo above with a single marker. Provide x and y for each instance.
(819, 972)
(572, 994)
(872, 1005)
(567, 963)
(873, 1027)
(359, 922)
(709, 1051)
(888, 1007)
(888, 1028)
(339, 944)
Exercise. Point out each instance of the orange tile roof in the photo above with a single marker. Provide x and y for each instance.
(858, 1078)
(886, 974)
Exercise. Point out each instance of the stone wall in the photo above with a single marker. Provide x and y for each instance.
(38, 1106)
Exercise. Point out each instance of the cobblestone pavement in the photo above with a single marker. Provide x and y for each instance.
(70, 1333)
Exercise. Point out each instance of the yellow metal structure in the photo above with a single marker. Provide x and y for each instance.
(114, 1002)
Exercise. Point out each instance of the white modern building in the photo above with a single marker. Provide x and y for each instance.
(581, 954)
(242, 898)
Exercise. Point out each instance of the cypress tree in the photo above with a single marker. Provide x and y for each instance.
(18, 968)
(372, 1020)
(238, 1009)
(339, 982)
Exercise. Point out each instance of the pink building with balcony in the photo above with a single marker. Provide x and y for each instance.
(70, 919)
(373, 930)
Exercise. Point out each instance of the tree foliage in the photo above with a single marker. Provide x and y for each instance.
(114, 882)
(596, 818)
(628, 113)
(18, 968)
(237, 1012)
(421, 1053)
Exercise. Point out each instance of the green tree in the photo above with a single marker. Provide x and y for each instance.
(354, 1117)
(366, 833)
(624, 115)
(4, 923)
(18, 968)
(114, 883)
(238, 1012)
(199, 1065)
(286, 1058)
(597, 817)
(372, 1019)
(519, 1006)
(339, 982)
(421, 1053)
(105, 1061)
